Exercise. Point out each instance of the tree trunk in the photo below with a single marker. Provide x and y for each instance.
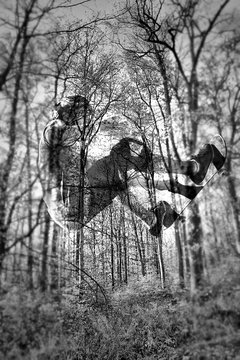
(54, 272)
(186, 253)
(80, 232)
(160, 260)
(104, 274)
(195, 223)
(43, 275)
(195, 248)
(112, 249)
(7, 166)
(125, 252)
(140, 250)
(119, 259)
(3, 234)
(236, 209)
(180, 255)
(30, 254)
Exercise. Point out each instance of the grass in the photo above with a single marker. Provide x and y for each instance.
(140, 321)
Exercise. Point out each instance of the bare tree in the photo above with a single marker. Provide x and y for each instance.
(28, 30)
(220, 85)
(164, 33)
(83, 66)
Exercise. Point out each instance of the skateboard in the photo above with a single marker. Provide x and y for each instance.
(179, 203)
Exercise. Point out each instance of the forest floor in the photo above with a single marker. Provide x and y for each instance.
(140, 321)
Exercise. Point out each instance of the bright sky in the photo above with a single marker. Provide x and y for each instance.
(89, 9)
(93, 6)
(104, 7)
(109, 5)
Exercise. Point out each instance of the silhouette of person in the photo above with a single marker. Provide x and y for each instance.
(71, 185)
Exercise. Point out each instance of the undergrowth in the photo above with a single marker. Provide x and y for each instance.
(140, 321)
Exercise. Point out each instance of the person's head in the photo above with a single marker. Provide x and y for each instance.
(73, 108)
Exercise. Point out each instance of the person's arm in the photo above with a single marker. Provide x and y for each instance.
(50, 173)
(53, 134)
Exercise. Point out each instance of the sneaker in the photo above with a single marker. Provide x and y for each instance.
(218, 158)
(219, 151)
(203, 160)
(165, 216)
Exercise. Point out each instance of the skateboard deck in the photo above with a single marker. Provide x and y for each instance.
(179, 203)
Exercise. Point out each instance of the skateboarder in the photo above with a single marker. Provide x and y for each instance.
(130, 171)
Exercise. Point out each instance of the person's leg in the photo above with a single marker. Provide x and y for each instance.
(68, 211)
(133, 154)
(103, 185)
(66, 202)
(130, 154)
(146, 182)
(156, 217)
(185, 167)
(196, 167)
(129, 199)
(138, 198)
(97, 201)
